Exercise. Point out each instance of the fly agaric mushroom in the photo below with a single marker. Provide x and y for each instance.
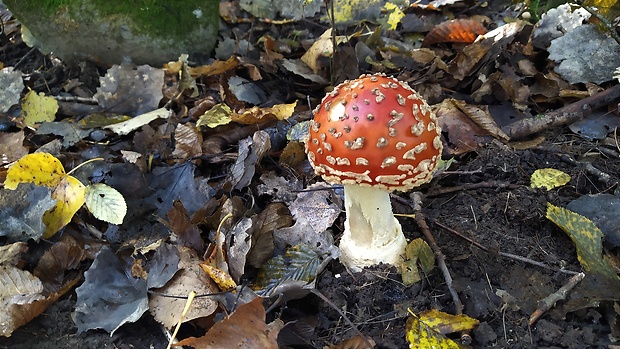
(374, 134)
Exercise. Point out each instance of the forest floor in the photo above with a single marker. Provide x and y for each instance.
(483, 200)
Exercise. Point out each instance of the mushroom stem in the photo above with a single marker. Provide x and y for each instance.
(372, 234)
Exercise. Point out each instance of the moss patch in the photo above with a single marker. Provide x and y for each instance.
(155, 17)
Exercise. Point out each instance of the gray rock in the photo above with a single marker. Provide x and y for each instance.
(117, 31)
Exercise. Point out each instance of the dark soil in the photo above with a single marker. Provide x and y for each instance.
(502, 213)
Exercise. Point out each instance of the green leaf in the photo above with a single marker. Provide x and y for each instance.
(106, 203)
(587, 238)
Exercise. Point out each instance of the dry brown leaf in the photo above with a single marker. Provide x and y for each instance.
(462, 134)
(480, 115)
(10, 254)
(245, 328)
(167, 310)
(356, 342)
(216, 68)
(188, 141)
(456, 30)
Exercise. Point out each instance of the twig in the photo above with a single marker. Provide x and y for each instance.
(416, 199)
(549, 301)
(588, 167)
(343, 315)
(565, 115)
(503, 254)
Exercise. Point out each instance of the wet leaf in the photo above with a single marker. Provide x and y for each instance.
(604, 211)
(21, 211)
(125, 90)
(246, 91)
(548, 178)
(587, 239)
(105, 203)
(245, 328)
(69, 132)
(38, 108)
(109, 296)
(12, 86)
(163, 266)
(294, 271)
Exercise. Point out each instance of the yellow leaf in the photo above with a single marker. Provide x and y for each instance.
(587, 238)
(221, 278)
(216, 116)
(421, 335)
(394, 17)
(257, 114)
(445, 323)
(38, 168)
(38, 108)
(70, 195)
(323, 46)
(548, 178)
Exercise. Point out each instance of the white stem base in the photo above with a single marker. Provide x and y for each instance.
(372, 234)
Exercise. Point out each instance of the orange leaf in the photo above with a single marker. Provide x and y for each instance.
(457, 30)
(245, 328)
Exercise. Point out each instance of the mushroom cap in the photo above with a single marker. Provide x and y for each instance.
(374, 131)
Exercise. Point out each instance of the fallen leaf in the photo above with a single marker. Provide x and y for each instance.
(245, 328)
(417, 252)
(109, 296)
(456, 30)
(445, 323)
(38, 108)
(190, 277)
(105, 203)
(587, 239)
(323, 46)
(291, 273)
(21, 211)
(187, 141)
(128, 90)
(218, 115)
(257, 114)
(548, 178)
(421, 335)
(12, 85)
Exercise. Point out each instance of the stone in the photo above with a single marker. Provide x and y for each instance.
(118, 31)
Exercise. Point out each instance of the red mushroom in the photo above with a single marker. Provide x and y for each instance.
(373, 134)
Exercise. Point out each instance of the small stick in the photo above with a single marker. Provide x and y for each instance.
(549, 301)
(416, 198)
(503, 254)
